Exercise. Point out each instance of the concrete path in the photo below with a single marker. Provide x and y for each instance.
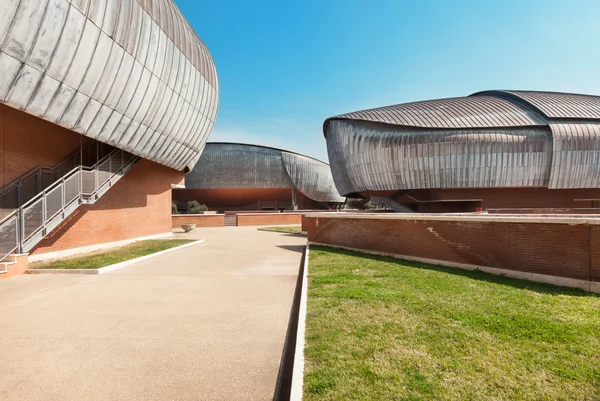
(204, 323)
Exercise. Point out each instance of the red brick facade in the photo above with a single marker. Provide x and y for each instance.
(568, 249)
(138, 205)
(27, 142)
(226, 199)
(200, 220)
(268, 219)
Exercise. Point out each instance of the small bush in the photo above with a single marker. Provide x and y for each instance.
(174, 208)
(193, 207)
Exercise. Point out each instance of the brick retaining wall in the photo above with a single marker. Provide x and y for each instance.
(268, 219)
(201, 220)
(561, 247)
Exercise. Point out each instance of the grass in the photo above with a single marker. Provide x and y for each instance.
(109, 257)
(382, 329)
(288, 229)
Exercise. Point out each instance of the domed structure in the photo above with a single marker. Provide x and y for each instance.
(235, 176)
(493, 149)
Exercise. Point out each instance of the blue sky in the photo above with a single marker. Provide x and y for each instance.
(284, 67)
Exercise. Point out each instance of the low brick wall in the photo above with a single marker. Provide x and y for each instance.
(201, 220)
(268, 219)
(566, 247)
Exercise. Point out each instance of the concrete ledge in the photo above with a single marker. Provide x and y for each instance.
(499, 218)
(113, 267)
(298, 370)
(91, 248)
(589, 286)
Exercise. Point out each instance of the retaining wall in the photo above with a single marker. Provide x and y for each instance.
(268, 219)
(562, 247)
(201, 220)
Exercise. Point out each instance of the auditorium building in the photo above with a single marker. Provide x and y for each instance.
(104, 106)
(493, 150)
(242, 177)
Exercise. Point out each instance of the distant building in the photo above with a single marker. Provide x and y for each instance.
(493, 149)
(235, 176)
(104, 105)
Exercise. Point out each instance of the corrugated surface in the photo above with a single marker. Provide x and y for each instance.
(238, 166)
(532, 139)
(368, 156)
(126, 72)
(312, 177)
(234, 165)
(576, 157)
(558, 105)
(461, 112)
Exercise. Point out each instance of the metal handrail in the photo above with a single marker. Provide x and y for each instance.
(37, 171)
(49, 208)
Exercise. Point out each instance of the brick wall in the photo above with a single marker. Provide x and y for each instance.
(201, 220)
(565, 249)
(27, 142)
(224, 199)
(138, 205)
(268, 219)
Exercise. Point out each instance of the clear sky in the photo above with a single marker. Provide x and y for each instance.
(285, 66)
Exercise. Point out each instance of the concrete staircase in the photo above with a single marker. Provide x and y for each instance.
(230, 220)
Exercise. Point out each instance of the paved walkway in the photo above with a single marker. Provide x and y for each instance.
(204, 323)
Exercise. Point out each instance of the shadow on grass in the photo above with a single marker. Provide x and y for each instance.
(472, 274)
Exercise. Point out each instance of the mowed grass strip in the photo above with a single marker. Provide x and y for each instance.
(379, 328)
(290, 229)
(110, 257)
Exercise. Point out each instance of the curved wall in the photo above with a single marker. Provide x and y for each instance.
(129, 73)
(234, 165)
(493, 139)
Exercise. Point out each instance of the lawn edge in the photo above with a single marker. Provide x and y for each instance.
(298, 369)
(589, 286)
(113, 267)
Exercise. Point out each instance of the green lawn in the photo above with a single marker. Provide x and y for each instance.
(289, 229)
(100, 259)
(382, 329)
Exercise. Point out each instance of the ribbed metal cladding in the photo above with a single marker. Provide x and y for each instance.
(520, 139)
(375, 157)
(557, 105)
(235, 165)
(576, 158)
(225, 165)
(465, 112)
(130, 73)
(312, 177)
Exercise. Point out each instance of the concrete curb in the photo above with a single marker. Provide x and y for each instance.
(116, 266)
(298, 371)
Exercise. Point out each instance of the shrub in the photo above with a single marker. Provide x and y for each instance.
(193, 207)
(174, 208)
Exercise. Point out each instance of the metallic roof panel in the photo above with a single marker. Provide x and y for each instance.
(562, 105)
(100, 66)
(235, 165)
(367, 156)
(460, 112)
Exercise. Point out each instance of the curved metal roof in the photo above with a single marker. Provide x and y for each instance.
(460, 112)
(238, 165)
(488, 139)
(555, 104)
(130, 73)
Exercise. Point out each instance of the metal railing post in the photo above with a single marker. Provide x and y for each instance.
(19, 236)
(44, 202)
(62, 195)
(19, 194)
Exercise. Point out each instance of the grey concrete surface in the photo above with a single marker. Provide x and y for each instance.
(207, 322)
